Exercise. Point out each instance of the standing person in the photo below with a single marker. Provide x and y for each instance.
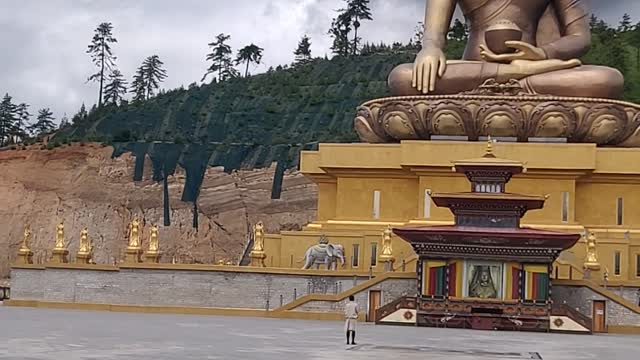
(351, 312)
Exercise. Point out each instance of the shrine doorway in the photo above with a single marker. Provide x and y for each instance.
(375, 299)
(599, 316)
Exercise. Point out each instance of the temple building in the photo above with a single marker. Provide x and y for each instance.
(486, 271)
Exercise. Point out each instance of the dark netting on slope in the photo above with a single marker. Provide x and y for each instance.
(196, 158)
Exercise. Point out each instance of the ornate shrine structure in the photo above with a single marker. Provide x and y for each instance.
(485, 271)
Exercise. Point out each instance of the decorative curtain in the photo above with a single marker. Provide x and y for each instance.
(513, 281)
(435, 278)
(537, 282)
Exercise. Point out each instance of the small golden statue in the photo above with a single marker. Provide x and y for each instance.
(60, 237)
(25, 239)
(60, 251)
(153, 253)
(25, 255)
(257, 253)
(386, 256)
(591, 261)
(85, 249)
(134, 249)
(85, 243)
(134, 234)
(258, 237)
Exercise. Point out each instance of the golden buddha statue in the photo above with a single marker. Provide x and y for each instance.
(60, 244)
(542, 41)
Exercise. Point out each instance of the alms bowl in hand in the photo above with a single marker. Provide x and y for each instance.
(499, 33)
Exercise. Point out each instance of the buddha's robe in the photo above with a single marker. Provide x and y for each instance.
(559, 27)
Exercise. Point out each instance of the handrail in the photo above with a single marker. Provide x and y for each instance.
(345, 294)
(405, 302)
(602, 291)
(409, 260)
(580, 318)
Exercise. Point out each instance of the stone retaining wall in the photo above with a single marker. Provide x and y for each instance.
(581, 299)
(241, 289)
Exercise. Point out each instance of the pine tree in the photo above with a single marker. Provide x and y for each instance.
(339, 31)
(625, 23)
(138, 86)
(80, 116)
(24, 117)
(458, 32)
(303, 51)
(633, 38)
(220, 57)
(358, 10)
(419, 34)
(101, 54)
(116, 89)
(148, 78)
(44, 123)
(64, 122)
(8, 119)
(154, 74)
(249, 54)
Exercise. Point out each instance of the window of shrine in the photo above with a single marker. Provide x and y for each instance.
(489, 187)
(356, 255)
(427, 203)
(376, 205)
(616, 263)
(619, 208)
(374, 254)
(565, 207)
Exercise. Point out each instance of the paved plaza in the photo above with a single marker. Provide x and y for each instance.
(32, 334)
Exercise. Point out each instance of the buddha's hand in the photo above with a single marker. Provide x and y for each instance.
(430, 64)
(524, 51)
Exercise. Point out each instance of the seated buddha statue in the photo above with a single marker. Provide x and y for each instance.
(554, 34)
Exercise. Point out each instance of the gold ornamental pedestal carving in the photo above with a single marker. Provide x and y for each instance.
(501, 110)
(60, 256)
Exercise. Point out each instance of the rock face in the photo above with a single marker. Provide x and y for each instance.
(84, 187)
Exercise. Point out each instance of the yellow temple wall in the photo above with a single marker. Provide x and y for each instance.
(582, 178)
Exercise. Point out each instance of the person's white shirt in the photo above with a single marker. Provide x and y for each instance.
(351, 310)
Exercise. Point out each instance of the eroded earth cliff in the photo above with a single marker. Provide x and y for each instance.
(85, 187)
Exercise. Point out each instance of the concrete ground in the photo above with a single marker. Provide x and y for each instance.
(31, 334)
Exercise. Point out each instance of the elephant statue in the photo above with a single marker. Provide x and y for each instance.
(327, 254)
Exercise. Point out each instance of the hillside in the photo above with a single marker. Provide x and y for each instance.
(307, 103)
(84, 186)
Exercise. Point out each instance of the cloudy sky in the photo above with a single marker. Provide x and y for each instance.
(43, 60)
